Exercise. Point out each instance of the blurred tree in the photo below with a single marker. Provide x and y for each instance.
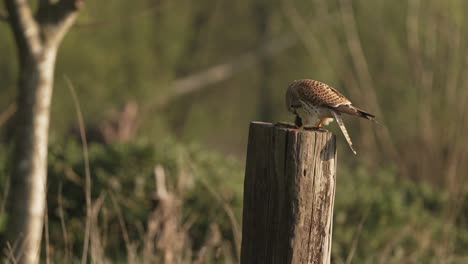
(200, 18)
(37, 40)
(262, 10)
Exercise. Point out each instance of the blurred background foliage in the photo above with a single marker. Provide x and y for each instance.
(174, 84)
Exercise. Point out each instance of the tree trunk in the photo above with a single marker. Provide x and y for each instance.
(38, 37)
(28, 182)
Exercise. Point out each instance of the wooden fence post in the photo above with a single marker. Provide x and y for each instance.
(289, 193)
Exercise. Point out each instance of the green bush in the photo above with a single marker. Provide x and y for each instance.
(125, 171)
(387, 218)
(378, 215)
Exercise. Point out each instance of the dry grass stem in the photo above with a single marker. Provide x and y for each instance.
(130, 246)
(62, 223)
(87, 187)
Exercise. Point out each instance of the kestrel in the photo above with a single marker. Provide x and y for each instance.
(317, 104)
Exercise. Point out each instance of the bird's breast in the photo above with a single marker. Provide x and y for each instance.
(318, 111)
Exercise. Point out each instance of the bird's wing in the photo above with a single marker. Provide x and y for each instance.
(351, 110)
(343, 129)
(319, 93)
(308, 107)
(334, 98)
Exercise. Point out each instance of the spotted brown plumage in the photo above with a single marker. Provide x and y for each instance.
(318, 93)
(318, 104)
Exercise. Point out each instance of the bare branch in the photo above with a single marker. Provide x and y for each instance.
(67, 7)
(223, 71)
(43, 4)
(205, 78)
(53, 20)
(25, 28)
(56, 18)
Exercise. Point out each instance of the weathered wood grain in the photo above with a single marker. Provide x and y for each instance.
(289, 193)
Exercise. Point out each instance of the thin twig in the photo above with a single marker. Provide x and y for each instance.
(356, 237)
(384, 255)
(62, 222)
(130, 248)
(8, 113)
(46, 231)
(229, 212)
(84, 143)
(6, 190)
(96, 246)
(10, 253)
(212, 240)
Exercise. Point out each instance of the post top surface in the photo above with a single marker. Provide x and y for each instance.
(289, 127)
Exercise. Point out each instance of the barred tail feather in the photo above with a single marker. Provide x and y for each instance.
(351, 110)
(365, 114)
(343, 129)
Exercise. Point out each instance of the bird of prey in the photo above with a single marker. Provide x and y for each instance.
(316, 104)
